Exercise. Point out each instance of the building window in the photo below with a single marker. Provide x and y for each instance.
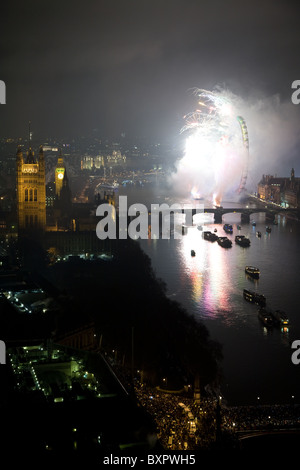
(26, 195)
(35, 195)
(30, 195)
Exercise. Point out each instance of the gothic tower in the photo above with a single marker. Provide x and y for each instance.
(292, 174)
(63, 201)
(31, 191)
(59, 174)
(292, 180)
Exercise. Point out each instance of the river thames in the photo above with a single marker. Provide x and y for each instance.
(257, 364)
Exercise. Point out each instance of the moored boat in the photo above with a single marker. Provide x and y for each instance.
(265, 317)
(224, 242)
(252, 271)
(228, 228)
(280, 318)
(254, 297)
(242, 240)
(210, 236)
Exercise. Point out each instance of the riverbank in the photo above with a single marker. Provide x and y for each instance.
(272, 206)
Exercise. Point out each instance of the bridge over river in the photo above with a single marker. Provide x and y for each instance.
(247, 212)
(218, 212)
(156, 213)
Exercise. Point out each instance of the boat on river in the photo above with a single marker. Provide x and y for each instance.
(280, 318)
(242, 240)
(224, 242)
(252, 271)
(277, 318)
(228, 228)
(254, 297)
(265, 317)
(212, 237)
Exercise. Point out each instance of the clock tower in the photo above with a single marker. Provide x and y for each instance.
(60, 170)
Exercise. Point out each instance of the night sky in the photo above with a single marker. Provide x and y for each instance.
(128, 65)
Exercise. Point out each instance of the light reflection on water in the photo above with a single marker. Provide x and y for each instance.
(210, 286)
(212, 282)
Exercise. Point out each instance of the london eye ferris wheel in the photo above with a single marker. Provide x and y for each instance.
(217, 145)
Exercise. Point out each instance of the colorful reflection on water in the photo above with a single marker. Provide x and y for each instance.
(210, 286)
(208, 271)
(211, 283)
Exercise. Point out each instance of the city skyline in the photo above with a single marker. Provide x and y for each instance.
(109, 69)
(149, 227)
(128, 67)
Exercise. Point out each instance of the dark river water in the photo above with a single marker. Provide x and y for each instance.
(257, 364)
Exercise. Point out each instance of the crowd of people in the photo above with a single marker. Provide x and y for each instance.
(185, 424)
(182, 423)
(245, 418)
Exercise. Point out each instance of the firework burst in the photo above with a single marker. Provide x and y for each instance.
(215, 148)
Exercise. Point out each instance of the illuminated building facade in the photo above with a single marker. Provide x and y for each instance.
(31, 192)
(116, 158)
(280, 190)
(98, 162)
(50, 194)
(87, 162)
(92, 163)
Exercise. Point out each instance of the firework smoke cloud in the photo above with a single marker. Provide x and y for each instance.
(227, 138)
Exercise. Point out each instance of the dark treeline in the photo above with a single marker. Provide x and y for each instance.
(131, 311)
